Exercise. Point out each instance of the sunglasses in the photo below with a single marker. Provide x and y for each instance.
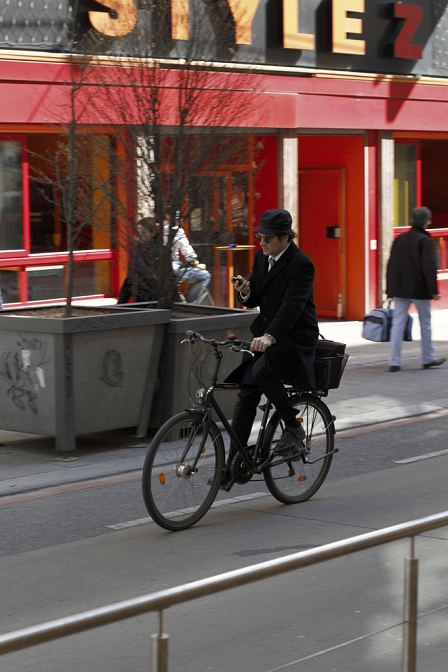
(267, 239)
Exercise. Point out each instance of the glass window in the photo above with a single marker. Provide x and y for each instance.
(10, 285)
(92, 277)
(49, 282)
(45, 227)
(45, 283)
(405, 182)
(48, 155)
(11, 196)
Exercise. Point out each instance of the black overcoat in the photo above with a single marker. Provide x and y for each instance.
(287, 312)
(412, 266)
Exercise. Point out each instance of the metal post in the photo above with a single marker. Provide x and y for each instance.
(410, 613)
(159, 649)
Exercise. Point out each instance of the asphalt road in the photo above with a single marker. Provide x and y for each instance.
(61, 554)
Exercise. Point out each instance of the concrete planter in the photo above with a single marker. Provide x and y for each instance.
(71, 376)
(173, 392)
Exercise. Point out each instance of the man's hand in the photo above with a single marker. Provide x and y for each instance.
(436, 297)
(242, 286)
(261, 343)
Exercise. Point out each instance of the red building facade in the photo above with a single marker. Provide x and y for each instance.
(349, 131)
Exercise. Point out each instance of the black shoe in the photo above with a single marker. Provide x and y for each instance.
(392, 369)
(226, 482)
(291, 441)
(436, 362)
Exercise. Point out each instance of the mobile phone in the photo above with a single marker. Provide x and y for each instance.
(234, 279)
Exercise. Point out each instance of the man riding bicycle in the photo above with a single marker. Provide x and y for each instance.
(285, 333)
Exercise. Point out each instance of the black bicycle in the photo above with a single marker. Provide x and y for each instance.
(186, 458)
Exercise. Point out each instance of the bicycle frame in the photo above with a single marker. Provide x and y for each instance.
(209, 403)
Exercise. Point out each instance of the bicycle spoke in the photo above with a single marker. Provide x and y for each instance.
(296, 480)
(181, 479)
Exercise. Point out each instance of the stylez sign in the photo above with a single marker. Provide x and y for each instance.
(364, 35)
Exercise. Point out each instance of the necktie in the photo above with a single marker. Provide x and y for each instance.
(271, 262)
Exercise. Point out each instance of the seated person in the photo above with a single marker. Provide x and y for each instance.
(192, 272)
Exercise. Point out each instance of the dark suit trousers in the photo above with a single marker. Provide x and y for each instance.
(255, 381)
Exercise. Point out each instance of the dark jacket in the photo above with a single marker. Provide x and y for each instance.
(412, 266)
(141, 283)
(287, 312)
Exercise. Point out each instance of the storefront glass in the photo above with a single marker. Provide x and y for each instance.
(10, 284)
(33, 231)
(11, 196)
(405, 182)
(49, 282)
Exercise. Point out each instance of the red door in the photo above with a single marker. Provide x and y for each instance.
(322, 235)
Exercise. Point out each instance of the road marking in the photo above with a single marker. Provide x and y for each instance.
(422, 457)
(50, 491)
(173, 514)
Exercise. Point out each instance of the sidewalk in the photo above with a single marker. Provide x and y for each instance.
(368, 395)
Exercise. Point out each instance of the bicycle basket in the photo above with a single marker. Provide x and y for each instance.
(328, 371)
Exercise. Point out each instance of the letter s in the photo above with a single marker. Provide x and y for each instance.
(125, 22)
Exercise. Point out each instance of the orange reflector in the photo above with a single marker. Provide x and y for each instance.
(203, 450)
(162, 479)
(301, 479)
(299, 419)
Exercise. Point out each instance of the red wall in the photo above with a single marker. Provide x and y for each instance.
(37, 93)
(266, 180)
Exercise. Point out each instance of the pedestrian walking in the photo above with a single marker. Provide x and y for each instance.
(412, 278)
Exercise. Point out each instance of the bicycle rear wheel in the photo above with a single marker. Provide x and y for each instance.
(177, 495)
(297, 480)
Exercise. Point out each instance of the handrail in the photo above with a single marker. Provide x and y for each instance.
(26, 637)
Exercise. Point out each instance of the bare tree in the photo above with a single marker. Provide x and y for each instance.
(82, 191)
(168, 117)
(176, 122)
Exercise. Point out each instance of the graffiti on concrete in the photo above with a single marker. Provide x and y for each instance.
(112, 373)
(23, 370)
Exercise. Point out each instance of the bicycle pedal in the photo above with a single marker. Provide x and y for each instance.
(227, 487)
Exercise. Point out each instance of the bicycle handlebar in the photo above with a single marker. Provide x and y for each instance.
(236, 344)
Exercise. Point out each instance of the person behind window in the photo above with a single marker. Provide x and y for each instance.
(191, 270)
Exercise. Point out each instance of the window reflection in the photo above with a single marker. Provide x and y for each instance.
(11, 234)
(9, 285)
(44, 226)
(49, 282)
(405, 182)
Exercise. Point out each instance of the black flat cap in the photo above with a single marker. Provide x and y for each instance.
(273, 222)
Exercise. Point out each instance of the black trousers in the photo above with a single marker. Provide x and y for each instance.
(255, 381)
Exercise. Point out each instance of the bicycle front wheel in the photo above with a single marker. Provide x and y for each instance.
(180, 479)
(296, 480)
